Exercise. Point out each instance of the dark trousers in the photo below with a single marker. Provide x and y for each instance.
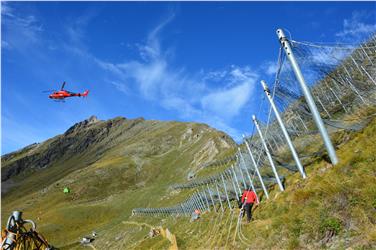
(248, 211)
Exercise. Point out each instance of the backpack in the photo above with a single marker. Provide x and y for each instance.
(240, 203)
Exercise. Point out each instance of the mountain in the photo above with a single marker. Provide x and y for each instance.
(110, 167)
(114, 166)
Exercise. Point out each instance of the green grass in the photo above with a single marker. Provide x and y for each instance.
(135, 170)
(338, 201)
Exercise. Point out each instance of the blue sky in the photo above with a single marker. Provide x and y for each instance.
(187, 61)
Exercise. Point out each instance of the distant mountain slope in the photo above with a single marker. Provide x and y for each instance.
(109, 166)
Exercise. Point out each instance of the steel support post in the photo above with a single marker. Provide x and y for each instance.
(181, 209)
(198, 202)
(284, 131)
(312, 106)
(203, 201)
(211, 198)
(323, 106)
(224, 186)
(274, 141)
(194, 205)
(248, 175)
(348, 81)
(219, 197)
(194, 202)
(256, 168)
(301, 120)
(206, 199)
(268, 153)
(339, 100)
(241, 174)
(191, 206)
(236, 179)
(187, 209)
(369, 59)
(233, 184)
(369, 76)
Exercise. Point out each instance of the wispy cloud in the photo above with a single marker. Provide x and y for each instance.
(196, 96)
(228, 102)
(76, 28)
(215, 97)
(270, 67)
(355, 28)
(18, 29)
(121, 87)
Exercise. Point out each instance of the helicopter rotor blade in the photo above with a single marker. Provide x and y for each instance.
(62, 87)
(50, 90)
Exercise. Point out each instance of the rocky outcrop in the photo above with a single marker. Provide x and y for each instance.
(73, 142)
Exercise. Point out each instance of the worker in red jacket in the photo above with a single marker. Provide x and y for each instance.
(248, 199)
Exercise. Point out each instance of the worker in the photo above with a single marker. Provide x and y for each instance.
(248, 199)
(195, 215)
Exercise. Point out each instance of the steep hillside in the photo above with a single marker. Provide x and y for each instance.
(135, 163)
(110, 166)
(334, 208)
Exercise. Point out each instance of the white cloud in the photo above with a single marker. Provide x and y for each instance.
(329, 55)
(214, 75)
(151, 77)
(270, 68)
(186, 110)
(229, 102)
(356, 28)
(121, 87)
(19, 32)
(213, 97)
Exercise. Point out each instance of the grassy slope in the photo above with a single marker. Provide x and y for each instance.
(334, 208)
(334, 200)
(135, 173)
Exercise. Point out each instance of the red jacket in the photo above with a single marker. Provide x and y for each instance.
(250, 197)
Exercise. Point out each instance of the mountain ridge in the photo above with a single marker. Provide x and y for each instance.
(110, 166)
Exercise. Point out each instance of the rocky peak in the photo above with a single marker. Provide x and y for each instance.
(82, 125)
(92, 119)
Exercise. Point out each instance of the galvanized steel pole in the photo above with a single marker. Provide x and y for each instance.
(312, 106)
(202, 208)
(249, 177)
(211, 197)
(233, 184)
(268, 153)
(236, 178)
(284, 131)
(219, 197)
(203, 201)
(206, 199)
(256, 168)
(228, 200)
(241, 174)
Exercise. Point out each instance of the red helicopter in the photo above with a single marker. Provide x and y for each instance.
(62, 94)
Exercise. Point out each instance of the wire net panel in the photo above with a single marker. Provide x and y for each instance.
(341, 79)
